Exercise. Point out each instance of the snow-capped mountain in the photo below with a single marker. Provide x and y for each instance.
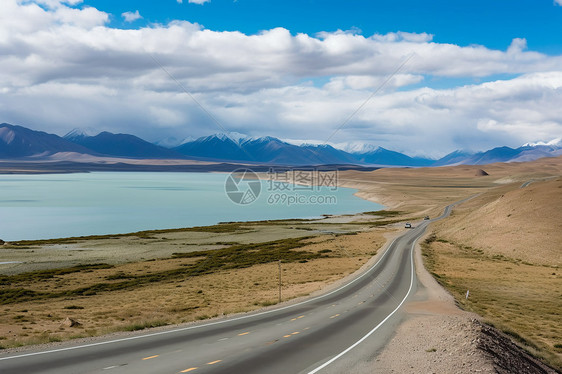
(172, 141)
(80, 133)
(356, 147)
(20, 142)
(506, 154)
(265, 149)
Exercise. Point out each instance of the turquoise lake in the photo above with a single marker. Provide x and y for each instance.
(48, 206)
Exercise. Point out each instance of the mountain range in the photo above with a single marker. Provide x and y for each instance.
(17, 142)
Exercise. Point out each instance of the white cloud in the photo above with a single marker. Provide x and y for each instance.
(131, 16)
(554, 142)
(559, 2)
(72, 69)
(517, 45)
(201, 2)
(361, 82)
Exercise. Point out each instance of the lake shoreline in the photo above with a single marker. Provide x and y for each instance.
(102, 203)
(163, 165)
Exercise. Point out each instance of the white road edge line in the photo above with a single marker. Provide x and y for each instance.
(368, 271)
(377, 326)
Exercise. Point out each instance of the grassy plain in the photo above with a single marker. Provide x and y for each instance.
(163, 277)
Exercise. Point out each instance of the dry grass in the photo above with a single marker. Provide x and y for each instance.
(178, 299)
(146, 245)
(522, 299)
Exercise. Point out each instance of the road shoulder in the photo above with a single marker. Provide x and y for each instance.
(436, 336)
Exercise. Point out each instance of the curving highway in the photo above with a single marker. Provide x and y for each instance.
(328, 333)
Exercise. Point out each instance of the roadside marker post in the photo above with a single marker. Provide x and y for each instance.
(280, 282)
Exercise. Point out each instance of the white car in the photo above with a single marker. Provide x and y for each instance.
(408, 226)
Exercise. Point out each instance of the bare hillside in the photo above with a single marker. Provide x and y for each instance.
(517, 222)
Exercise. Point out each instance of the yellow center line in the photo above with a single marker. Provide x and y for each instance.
(286, 336)
(148, 358)
(213, 362)
(188, 370)
(335, 315)
(306, 328)
(244, 333)
(295, 333)
(294, 319)
(300, 317)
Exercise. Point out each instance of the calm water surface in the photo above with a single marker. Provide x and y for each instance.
(62, 205)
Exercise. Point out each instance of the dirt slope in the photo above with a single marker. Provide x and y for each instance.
(520, 223)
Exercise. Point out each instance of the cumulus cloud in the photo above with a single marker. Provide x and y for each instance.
(517, 45)
(131, 16)
(558, 2)
(74, 70)
(200, 2)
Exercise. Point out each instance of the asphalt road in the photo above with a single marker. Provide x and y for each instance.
(323, 334)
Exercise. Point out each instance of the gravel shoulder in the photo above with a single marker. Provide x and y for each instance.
(438, 337)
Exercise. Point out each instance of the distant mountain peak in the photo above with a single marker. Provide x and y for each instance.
(20, 142)
(263, 139)
(235, 137)
(172, 141)
(378, 149)
(462, 152)
(357, 147)
(121, 145)
(81, 133)
(321, 145)
(238, 138)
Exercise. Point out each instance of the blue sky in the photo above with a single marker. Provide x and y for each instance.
(490, 23)
(479, 74)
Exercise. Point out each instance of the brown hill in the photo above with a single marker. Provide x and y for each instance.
(517, 222)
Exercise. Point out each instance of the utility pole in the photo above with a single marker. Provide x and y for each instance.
(280, 281)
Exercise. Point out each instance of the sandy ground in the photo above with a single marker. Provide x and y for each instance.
(428, 190)
(520, 223)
